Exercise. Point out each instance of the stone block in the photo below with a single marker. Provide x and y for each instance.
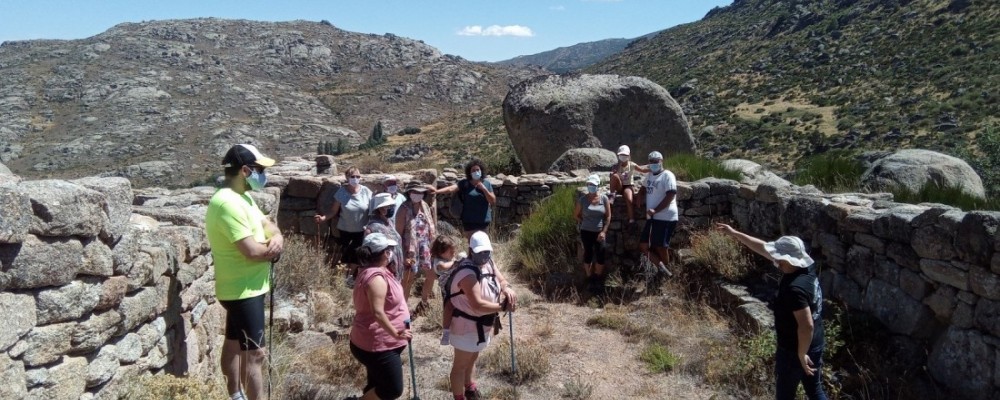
(995, 263)
(62, 208)
(36, 377)
(899, 312)
(188, 241)
(984, 283)
(963, 361)
(298, 204)
(68, 378)
(945, 272)
(98, 259)
(102, 366)
(13, 377)
(987, 316)
(46, 344)
(304, 186)
(894, 226)
(40, 262)
(124, 251)
(138, 308)
(150, 333)
(903, 255)
(858, 220)
(92, 333)
(913, 284)
(870, 241)
(942, 302)
(128, 349)
(974, 236)
(15, 215)
(831, 245)
(67, 302)
(118, 196)
(188, 273)
(964, 316)
(933, 242)
(860, 264)
(848, 291)
(18, 311)
(967, 297)
(768, 193)
(887, 271)
(112, 292)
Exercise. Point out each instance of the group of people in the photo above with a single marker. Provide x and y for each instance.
(657, 189)
(392, 236)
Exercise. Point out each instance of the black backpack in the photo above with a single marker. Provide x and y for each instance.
(458, 200)
(488, 320)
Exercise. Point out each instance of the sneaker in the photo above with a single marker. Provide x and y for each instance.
(349, 281)
(664, 271)
(472, 394)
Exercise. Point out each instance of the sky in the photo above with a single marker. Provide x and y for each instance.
(477, 30)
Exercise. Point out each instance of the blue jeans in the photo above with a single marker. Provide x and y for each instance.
(788, 373)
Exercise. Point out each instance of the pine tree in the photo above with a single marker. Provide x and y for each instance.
(321, 148)
(341, 146)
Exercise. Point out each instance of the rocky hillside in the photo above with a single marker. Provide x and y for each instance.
(161, 101)
(775, 80)
(571, 58)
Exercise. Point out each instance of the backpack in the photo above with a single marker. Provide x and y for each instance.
(457, 201)
(488, 320)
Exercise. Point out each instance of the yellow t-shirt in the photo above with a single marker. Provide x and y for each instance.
(230, 218)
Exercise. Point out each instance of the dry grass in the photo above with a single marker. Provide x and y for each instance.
(532, 360)
(321, 372)
(577, 389)
(166, 386)
(721, 254)
(303, 268)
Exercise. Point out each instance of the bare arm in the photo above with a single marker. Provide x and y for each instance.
(750, 242)
(803, 319)
(640, 168)
(450, 189)
(663, 203)
(334, 213)
(376, 291)
(607, 218)
(490, 197)
(470, 287)
(275, 242)
(506, 289)
(254, 250)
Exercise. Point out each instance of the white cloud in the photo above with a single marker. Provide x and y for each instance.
(496, 30)
(557, 8)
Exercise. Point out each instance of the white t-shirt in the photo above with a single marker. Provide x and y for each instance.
(657, 187)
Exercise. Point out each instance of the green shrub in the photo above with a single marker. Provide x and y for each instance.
(987, 164)
(547, 242)
(659, 358)
(834, 171)
(952, 196)
(689, 167)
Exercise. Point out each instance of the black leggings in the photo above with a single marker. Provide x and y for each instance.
(591, 247)
(385, 371)
(350, 242)
(245, 321)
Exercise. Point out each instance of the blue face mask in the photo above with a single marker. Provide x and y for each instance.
(480, 258)
(591, 189)
(256, 180)
(655, 168)
(477, 175)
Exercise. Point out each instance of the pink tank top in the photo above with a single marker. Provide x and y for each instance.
(366, 333)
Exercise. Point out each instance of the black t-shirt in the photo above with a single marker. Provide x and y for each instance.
(796, 291)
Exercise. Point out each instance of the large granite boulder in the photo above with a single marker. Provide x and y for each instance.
(547, 115)
(915, 168)
(752, 173)
(590, 159)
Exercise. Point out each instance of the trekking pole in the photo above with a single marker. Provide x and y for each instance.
(270, 330)
(513, 356)
(413, 368)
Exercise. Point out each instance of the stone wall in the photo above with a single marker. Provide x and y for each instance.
(101, 285)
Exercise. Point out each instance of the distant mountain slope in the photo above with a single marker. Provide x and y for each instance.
(161, 101)
(571, 58)
(776, 80)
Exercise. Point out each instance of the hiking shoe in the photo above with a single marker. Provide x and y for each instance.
(664, 271)
(472, 394)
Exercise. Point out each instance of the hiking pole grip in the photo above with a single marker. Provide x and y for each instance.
(513, 356)
(413, 368)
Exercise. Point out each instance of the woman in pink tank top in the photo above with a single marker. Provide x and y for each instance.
(379, 333)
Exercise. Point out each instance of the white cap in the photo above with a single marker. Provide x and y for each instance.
(382, 200)
(655, 155)
(594, 180)
(376, 242)
(623, 150)
(791, 249)
(390, 178)
(480, 242)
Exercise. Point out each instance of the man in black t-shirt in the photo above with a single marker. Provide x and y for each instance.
(797, 322)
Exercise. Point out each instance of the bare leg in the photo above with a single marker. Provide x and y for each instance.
(427, 291)
(663, 254)
(462, 370)
(255, 373)
(231, 365)
(630, 205)
(408, 278)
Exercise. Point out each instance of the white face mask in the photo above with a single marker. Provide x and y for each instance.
(392, 189)
(622, 158)
(477, 175)
(417, 197)
(353, 181)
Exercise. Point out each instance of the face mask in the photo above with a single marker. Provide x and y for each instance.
(591, 189)
(392, 189)
(480, 258)
(256, 180)
(417, 197)
(477, 175)
(655, 168)
(392, 257)
(622, 158)
(353, 181)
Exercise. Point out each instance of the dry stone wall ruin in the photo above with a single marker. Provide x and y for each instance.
(101, 283)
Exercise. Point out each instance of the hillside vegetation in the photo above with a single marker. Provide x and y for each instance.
(777, 80)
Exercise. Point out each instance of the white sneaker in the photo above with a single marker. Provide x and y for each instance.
(349, 281)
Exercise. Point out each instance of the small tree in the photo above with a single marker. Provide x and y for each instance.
(321, 148)
(341, 147)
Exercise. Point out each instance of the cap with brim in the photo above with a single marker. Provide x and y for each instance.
(376, 242)
(623, 150)
(655, 156)
(245, 154)
(389, 178)
(480, 242)
(594, 180)
(791, 249)
(416, 186)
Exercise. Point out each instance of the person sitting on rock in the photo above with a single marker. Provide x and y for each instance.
(622, 175)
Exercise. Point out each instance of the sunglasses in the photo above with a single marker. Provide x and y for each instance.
(356, 176)
(257, 168)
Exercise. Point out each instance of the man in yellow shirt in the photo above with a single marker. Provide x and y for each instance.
(243, 243)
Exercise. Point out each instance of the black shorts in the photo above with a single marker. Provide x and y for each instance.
(245, 321)
(349, 244)
(658, 233)
(474, 226)
(384, 370)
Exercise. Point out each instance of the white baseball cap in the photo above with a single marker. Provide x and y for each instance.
(655, 155)
(594, 180)
(480, 242)
(623, 150)
(376, 242)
